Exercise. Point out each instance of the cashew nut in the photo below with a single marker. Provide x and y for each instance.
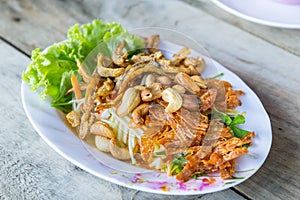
(175, 69)
(179, 89)
(187, 82)
(181, 55)
(73, 118)
(190, 70)
(102, 143)
(135, 72)
(197, 63)
(117, 151)
(130, 101)
(106, 88)
(139, 113)
(102, 129)
(139, 87)
(154, 91)
(150, 79)
(173, 98)
(199, 81)
(164, 80)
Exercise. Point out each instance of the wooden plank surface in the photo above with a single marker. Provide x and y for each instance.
(268, 65)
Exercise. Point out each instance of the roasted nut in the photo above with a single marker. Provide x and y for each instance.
(187, 82)
(73, 118)
(150, 79)
(117, 151)
(102, 143)
(154, 91)
(200, 68)
(199, 81)
(179, 89)
(135, 72)
(197, 63)
(190, 70)
(181, 55)
(139, 87)
(139, 113)
(110, 72)
(175, 70)
(173, 98)
(106, 88)
(158, 55)
(146, 94)
(130, 101)
(164, 80)
(102, 129)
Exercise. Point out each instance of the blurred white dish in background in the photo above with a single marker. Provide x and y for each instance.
(288, 1)
(282, 14)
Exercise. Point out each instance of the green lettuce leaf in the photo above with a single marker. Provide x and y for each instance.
(62, 102)
(46, 69)
(48, 72)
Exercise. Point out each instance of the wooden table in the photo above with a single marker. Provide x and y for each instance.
(266, 58)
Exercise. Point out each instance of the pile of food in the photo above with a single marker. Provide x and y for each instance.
(158, 113)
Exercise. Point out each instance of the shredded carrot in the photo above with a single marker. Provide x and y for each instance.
(81, 87)
(76, 87)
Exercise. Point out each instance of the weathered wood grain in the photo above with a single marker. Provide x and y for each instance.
(268, 65)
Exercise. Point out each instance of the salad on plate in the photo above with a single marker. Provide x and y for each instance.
(140, 104)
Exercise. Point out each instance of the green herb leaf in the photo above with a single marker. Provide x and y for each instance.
(232, 122)
(226, 119)
(199, 174)
(238, 132)
(246, 145)
(238, 119)
(178, 163)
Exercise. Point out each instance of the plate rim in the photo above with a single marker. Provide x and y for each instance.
(105, 177)
(254, 19)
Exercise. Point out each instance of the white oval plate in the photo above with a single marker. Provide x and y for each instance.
(51, 126)
(267, 12)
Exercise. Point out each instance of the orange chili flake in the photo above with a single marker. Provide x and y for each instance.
(209, 180)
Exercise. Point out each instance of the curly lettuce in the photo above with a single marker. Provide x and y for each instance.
(50, 70)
